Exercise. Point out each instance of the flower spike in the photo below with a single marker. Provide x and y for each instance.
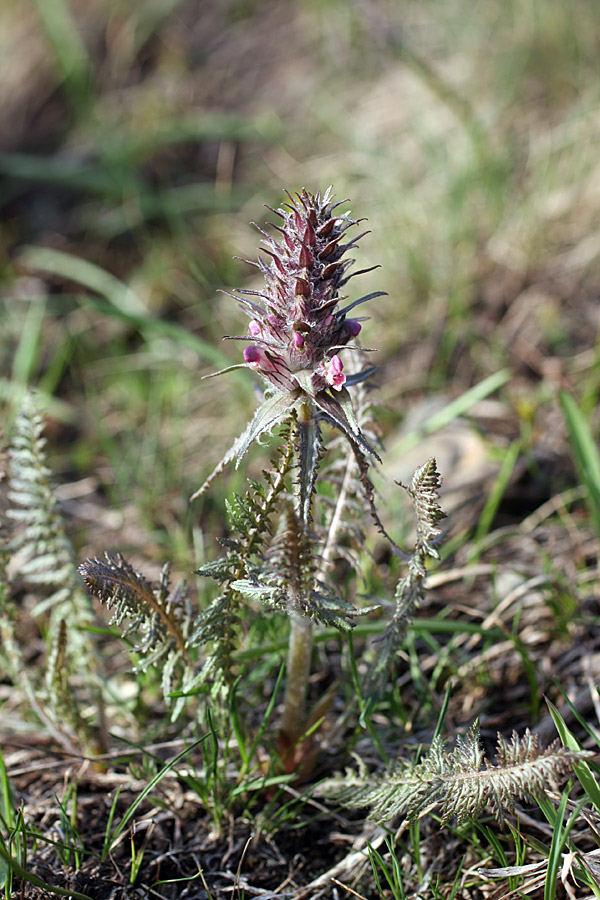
(297, 333)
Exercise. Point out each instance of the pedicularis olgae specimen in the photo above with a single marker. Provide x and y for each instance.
(283, 532)
(298, 330)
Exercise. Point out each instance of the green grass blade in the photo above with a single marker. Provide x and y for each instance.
(186, 879)
(454, 410)
(443, 710)
(7, 819)
(106, 845)
(122, 302)
(6, 797)
(393, 877)
(585, 451)
(18, 870)
(267, 716)
(376, 862)
(587, 727)
(238, 730)
(559, 840)
(436, 625)
(84, 178)
(365, 708)
(582, 770)
(554, 857)
(497, 492)
(68, 47)
(55, 262)
(262, 783)
(148, 790)
(29, 341)
(133, 147)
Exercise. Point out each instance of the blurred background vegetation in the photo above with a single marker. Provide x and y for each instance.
(140, 139)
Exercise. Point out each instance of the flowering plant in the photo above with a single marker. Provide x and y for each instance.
(301, 341)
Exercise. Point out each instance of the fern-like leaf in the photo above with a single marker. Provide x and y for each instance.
(40, 540)
(160, 617)
(277, 407)
(424, 491)
(43, 559)
(410, 590)
(285, 578)
(460, 783)
(309, 452)
(250, 522)
(341, 512)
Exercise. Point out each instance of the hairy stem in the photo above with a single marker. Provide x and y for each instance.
(298, 672)
(300, 645)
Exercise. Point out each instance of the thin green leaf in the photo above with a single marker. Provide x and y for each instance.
(274, 409)
(18, 870)
(309, 453)
(454, 410)
(6, 797)
(584, 774)
(72, 59)
(560, 836)
(55, 262)
(267, 716)
(585, 451)
(496, 494)
(148, 790)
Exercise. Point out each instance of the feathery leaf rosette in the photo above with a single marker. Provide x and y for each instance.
(296, 328)
(456, 782)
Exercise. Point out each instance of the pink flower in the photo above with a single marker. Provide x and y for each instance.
(333, 373)
(255, 357)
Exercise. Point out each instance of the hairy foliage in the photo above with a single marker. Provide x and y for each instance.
(285, 577)
(250, 520)
(461, 783)
(342, 507)
(170, 632)
(281, 570)
(159, 616)
(410, 590)
(45, 553)
(43, 561)
(63, 701)
(309, 452)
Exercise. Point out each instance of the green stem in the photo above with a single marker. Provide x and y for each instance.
(17, 869)
(300, 641)
(298, 673)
